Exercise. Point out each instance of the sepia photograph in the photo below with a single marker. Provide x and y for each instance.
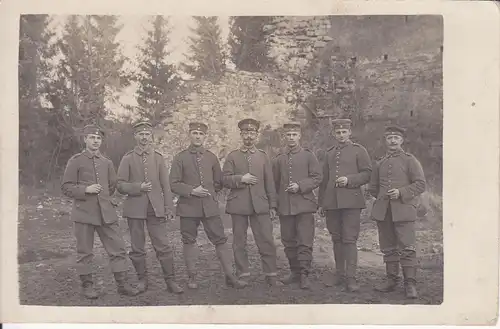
(167, 160)
(250, 163)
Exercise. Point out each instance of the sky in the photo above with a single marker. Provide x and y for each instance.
(133, 32)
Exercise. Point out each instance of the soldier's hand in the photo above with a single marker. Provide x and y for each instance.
(341, 181)
(93, 189)
(321, 212)
(393, 194)
(293, 188)
(248, 178)
(200, 192)
(273, 214)
(146, 187)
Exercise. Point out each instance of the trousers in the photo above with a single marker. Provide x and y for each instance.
(262, 230)
(297, 236)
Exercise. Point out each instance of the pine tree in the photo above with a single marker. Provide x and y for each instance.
(159, 83)
(247, 40)
(206, 56)
(35, 52)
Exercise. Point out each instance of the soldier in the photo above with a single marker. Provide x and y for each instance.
(247, 172)
(296, 174)
(196, 176)
(143, 177)
(90, 180)
(397, 179)
(346, 168)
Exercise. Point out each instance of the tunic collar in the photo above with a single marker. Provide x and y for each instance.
(196, 149)
(90, 155)
(394, 153)
(141, 151)
(251, 149)
(342, 145)
(294, 150)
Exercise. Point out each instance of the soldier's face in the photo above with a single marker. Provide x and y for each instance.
(342, 135)
(197, 137)
(292, 138)
(144, 138)
(393, 142)
(92, 142)
(249, 137)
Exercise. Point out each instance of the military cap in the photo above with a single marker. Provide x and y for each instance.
(93, 130)
(143, 126)
(249, 124)
(292, 126)
(394, 130)
(198, 126)
(342, 124)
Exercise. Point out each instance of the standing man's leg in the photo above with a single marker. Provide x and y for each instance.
(262, 229)
(351, 221)
(138, 252)
(189, 233)
(115, 247)
(305, 241)
(157, 229)
(405, 232)
(240, 228)
(215, 232)
(288, 228)
(84, 234)
(389, 247)
(334, 226)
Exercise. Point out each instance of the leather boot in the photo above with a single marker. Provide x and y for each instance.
(88, 286)
(304, 273)
(392, 279)
(140, 268)
(294, 275)
(409, 273)
(338, 253)
(190, 252)
(224, 255)
(351, 261)
(123, 287)
(167, 265)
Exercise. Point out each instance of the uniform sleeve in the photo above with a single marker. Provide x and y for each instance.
(70, 186)
(324, 180)
(229, 178)
(269, 183)
(276, 172)
(364, 170)
(374, 185)
(217, 175)
(124, 186)
(176, 182)
(165, 185)
(112, 178)
(417, 181)
(314, 178)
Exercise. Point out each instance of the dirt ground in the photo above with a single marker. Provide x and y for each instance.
(47, 277)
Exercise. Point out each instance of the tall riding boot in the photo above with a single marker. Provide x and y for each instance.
(88, 286)
(294, 272)
(167, 265)
(190, 252)
(392, 279)
(140, 268)
(338, 253)
(304, 274)
(409, 273)
(351, 260)
(224, 255)
(123, 287)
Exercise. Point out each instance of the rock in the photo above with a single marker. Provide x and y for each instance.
(319, 44)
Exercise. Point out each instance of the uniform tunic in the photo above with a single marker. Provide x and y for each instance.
(251, 202)
(396, 218)
(146, 208)
(94, 212)
(191, 168)
(138, 166)
(297, 165)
